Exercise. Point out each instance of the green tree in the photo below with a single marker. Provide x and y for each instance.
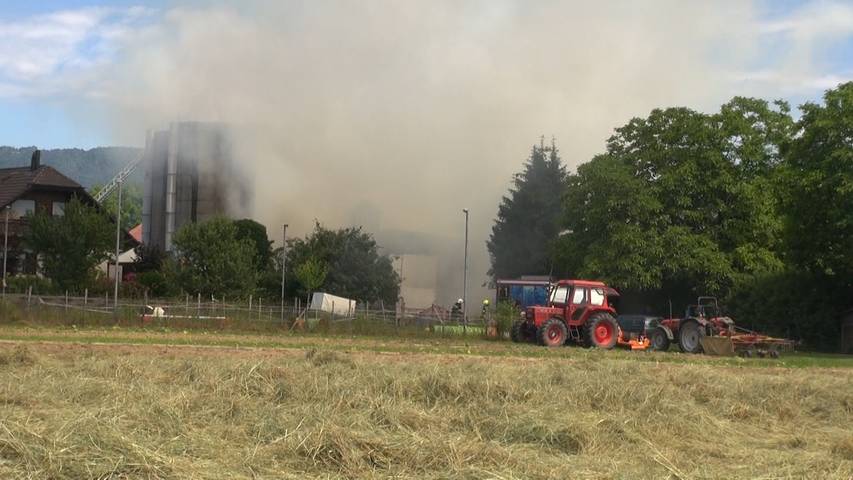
(70, 246)
(818, 187)
(355, 269)
(311, 274)
(256, 233)
(131, 204)
(681, 201)
(528, 217)
(210, 259)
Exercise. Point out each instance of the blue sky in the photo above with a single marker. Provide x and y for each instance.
(53, 54)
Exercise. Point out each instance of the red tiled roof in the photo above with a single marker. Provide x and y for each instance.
(136, 232)
(14, 182)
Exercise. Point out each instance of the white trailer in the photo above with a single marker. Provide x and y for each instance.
(329, 303)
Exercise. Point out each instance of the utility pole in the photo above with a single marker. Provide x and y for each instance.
(465, 280)
(118, 246)
(283, 264)
(5, 247)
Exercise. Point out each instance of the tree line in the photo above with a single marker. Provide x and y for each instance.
(217, 257)
(747, 204)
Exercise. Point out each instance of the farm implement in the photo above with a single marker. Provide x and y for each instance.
(581, 311)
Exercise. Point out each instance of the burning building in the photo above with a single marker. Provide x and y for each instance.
(190, 176)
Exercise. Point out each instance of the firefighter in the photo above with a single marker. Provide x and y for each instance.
(456, 311)
(489, 322)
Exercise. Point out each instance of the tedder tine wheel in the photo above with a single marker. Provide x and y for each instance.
(602, 331)
(553, 333)
(659, 340)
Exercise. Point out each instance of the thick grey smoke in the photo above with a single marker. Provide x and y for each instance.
(399, 114)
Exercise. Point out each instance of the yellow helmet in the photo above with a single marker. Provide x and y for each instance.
(486, 301)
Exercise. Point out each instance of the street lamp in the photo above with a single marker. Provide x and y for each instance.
(465, 279)
(283, 263)
(118, 243)
(5, 247)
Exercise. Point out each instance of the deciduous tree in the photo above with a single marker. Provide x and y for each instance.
(70, 246)
(211, 259)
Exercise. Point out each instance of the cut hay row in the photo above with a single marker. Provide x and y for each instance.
(89, 413)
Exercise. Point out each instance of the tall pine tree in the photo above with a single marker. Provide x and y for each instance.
(528, 217)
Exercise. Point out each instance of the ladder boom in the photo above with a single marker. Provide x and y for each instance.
(107, 189)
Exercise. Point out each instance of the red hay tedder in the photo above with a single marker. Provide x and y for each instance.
(704, 329)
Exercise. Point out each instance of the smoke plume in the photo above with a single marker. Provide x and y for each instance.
(397, 115)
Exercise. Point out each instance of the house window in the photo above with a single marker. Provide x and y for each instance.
(58, 209)
(22, 207)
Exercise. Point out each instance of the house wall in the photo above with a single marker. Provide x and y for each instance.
(21, 260)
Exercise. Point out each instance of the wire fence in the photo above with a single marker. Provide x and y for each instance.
(248, 315)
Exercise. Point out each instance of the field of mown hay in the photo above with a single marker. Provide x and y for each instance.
(143, 411)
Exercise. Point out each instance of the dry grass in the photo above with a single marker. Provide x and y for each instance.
(151, 412)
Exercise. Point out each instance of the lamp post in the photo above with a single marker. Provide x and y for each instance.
(465, 280)
(118, 246)
(5, 247)
(283, 264)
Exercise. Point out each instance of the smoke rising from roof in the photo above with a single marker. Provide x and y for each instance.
(399, 114)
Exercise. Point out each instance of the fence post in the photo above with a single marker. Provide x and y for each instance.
(107, 300)
(29, 295)
(86, 297)
(250, 303)
(260, 299)
(198, 305)
(66, 300)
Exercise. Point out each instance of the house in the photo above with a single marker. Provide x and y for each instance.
(36, 188)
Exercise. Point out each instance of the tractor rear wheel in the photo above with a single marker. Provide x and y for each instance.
(602, 331)
(659, 340)
(690, 337)
(552, 333)
(516, 332)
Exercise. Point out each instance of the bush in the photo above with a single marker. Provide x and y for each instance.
(790, 304)
(155, 282)
(505, 314)
(40, 285)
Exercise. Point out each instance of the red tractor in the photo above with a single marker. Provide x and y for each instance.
(577, 310)
(703, 321)
(700, 320)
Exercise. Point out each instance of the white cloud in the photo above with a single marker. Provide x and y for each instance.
(40, 53)
(796, 49)
(814, 20)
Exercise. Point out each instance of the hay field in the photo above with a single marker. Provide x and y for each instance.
(147, 411)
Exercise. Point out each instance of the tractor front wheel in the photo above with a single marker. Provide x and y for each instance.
(552, 333)
(690, 337)
(602, 331)
(659, 340)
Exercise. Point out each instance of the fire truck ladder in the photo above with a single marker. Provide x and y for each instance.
(107, 189)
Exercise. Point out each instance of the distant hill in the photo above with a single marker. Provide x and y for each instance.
(86, 167)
